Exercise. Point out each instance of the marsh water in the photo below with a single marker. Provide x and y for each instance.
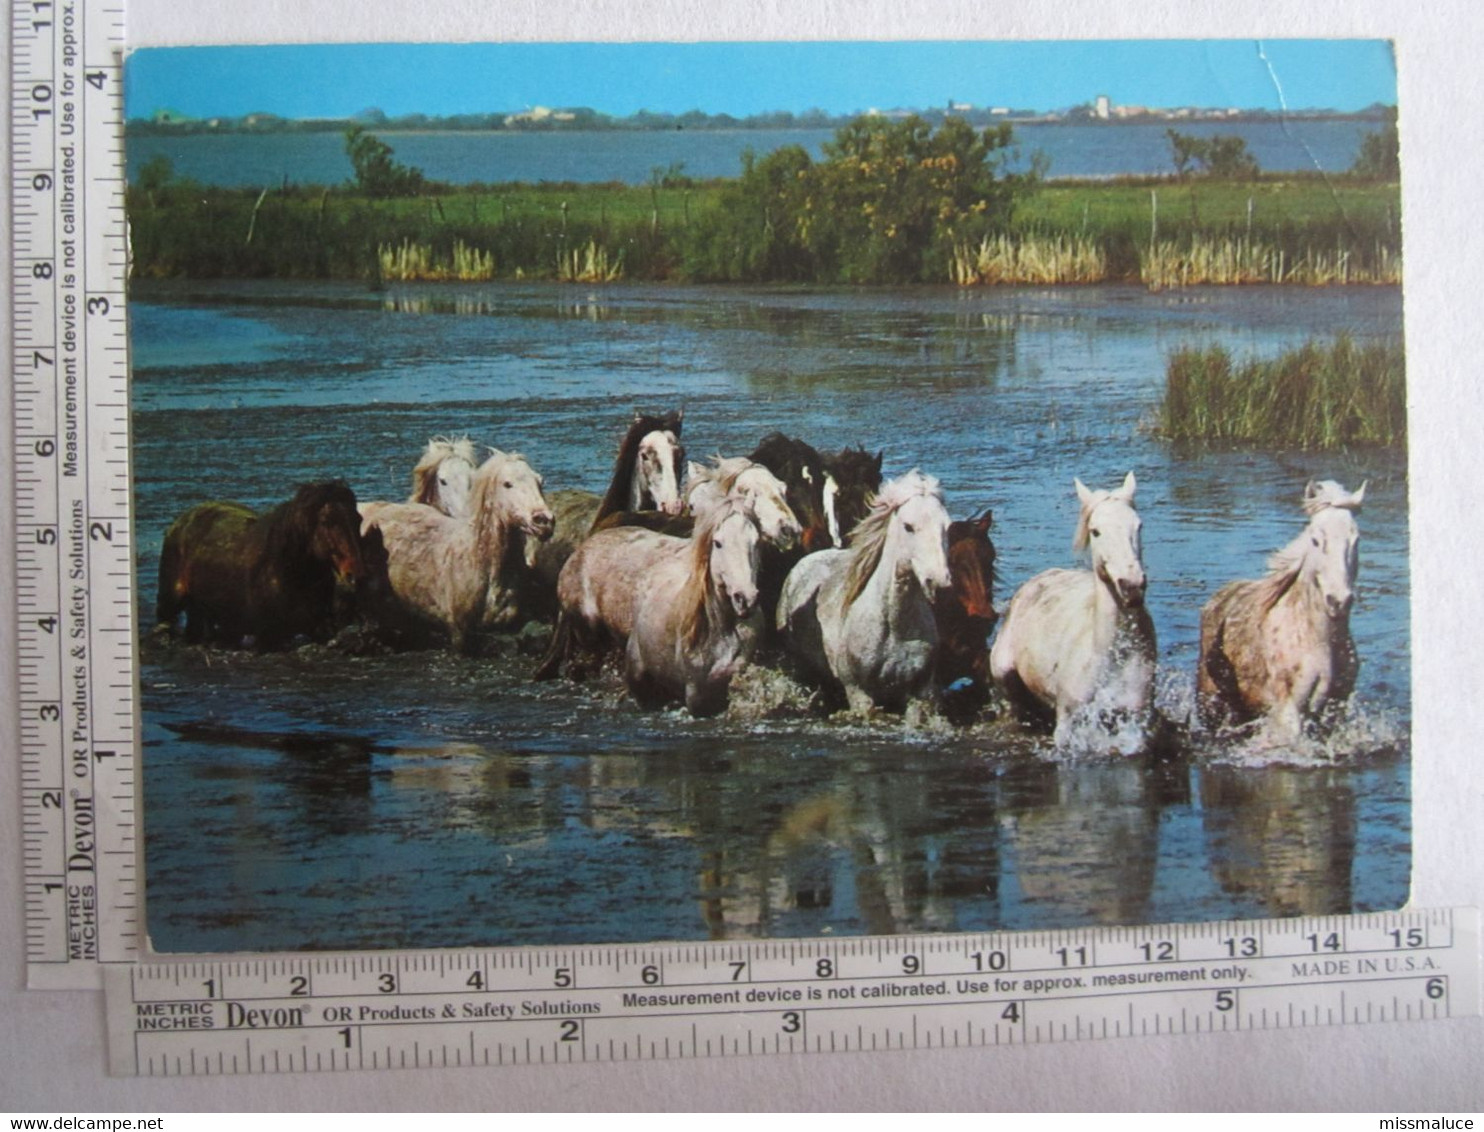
(321, 798)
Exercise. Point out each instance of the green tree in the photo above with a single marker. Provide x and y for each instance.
(1221, 158)
(1380, 153)
(892, 199)
(377, 175)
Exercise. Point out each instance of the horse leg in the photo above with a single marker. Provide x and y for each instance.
(859, 700)
(556, 652)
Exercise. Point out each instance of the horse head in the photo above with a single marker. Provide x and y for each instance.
(444, 475)
(1108, 527)
(333, 529)
(851, 478)
(907, 527)
(509, 489)
(732, 556)
(656, 478)
(801, 468)
(767, 497)
(971, 560)
(1331, 557)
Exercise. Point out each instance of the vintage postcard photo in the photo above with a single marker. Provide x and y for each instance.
(620, 492)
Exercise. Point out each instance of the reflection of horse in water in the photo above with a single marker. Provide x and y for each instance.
(1281, 838)
(1085, 840)
(1080, 643)
(1281, 647)
(444, 475)
(236, 574)
(861, 619)
(884, 855)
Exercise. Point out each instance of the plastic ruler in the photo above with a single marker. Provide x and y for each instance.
(631, 1003)
(70, 388)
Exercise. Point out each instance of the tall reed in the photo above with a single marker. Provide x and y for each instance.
(589, 264)
(1029, 258)
(1321, 395)
(413, 261)
(1238, 260)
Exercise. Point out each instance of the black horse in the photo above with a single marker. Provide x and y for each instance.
(236, 575)
(857, 478)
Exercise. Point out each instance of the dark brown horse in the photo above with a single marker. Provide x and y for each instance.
(853, 477)
(646, 477)
(236, 574)
(965, 616)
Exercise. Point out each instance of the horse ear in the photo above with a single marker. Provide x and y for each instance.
(1083, 493)
(985, 521)
(1359, 496)
(877, 461)
(1130, 485)
(1311, 489)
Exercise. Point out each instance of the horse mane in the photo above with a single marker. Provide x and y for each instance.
(868, 539)
(854, 465)
(1084, 518)
(425, 471)
(286, 531)
(778, 452)
(694, 617)
(617, 497)
(724, 472)
(1328, 493)
(1285, 566)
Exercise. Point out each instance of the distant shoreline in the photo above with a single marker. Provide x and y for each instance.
(258, 125)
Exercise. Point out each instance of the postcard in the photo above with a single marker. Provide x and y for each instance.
(619, 492)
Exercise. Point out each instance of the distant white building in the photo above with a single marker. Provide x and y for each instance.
(1101, 108)
(539, 114)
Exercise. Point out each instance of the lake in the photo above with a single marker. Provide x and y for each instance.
(255, 160)
(317, 799)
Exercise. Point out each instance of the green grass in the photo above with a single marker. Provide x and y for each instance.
(1322, 395)
(1346, 231)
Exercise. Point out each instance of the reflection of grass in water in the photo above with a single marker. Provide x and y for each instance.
(1318, 396)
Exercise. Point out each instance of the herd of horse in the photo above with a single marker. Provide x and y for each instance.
(687, 573)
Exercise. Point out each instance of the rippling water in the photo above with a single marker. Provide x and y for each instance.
(318, 799)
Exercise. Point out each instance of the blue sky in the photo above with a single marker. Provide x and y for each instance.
(746, 78)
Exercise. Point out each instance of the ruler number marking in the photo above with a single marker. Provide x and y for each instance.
(990, 960)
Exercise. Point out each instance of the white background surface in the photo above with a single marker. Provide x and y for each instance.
(52, 1056)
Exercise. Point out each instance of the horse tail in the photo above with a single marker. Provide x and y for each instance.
(556, 652)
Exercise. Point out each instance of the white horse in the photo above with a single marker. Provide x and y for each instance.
(695, 623)
(1080, 643)
(465, 574)
(740, 479)
(444, 475)
(1280, 648)
(864, 615)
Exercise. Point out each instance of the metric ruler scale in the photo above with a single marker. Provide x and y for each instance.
(617, 1003)
(73, 571)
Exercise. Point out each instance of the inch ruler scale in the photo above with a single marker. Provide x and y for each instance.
(73, 528)
(251, 1014)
